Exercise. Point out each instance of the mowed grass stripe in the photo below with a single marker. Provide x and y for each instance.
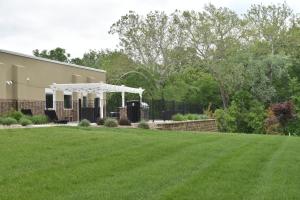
(230, 177)
(75, 163)
(96, 151)
(159, 174)
(281, 174)
(72, 163)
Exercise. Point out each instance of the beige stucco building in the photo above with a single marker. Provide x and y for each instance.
(25, 84)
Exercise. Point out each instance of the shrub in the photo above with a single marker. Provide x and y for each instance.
(203, 116)
(124, 122)
(39, 119)
(84, 123)
(110, 122)
(283, 111)
(24, 121)
(143, 125)
(280, 117)
(16, 115)
(244, 115)
(293, 127)
(192, 117)
(9, 121)
(178, 117)
(1, 120)
(225, 121)
(101, 121)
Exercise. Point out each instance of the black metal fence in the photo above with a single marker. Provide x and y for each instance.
(161, 109)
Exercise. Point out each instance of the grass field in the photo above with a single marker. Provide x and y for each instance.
(71, 163)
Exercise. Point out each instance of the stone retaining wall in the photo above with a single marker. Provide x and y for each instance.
(195, 125)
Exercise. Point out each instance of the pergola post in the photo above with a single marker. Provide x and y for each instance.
(141, 100)
(101, 105)
(123, 99)
(54, 98)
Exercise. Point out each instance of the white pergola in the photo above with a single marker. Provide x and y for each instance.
(98, 88)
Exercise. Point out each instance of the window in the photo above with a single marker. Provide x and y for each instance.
(84, 102)
(49, 101)
(67, 101)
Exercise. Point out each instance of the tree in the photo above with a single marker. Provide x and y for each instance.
(268, 25)
(214, 34)
(150, 41)
(58, 54)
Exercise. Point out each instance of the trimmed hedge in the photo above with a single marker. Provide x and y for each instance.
(110, 123)
(124, 122)
(84, 123)
(181, 117)
(143, 125)
(101, 121)
(24, 121)
(17, 115)
(9, 121)
(39, 119)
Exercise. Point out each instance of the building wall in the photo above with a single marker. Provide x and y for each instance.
(30, 77)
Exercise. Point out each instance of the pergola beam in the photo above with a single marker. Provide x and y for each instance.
(95, 87)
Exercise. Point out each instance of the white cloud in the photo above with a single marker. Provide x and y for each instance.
(79, 25)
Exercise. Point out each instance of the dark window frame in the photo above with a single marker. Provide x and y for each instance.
(51, 103)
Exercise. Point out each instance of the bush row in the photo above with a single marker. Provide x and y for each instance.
(110, 122)
(181, 117)
(16, 117)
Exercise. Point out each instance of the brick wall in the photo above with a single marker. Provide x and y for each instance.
(197, 125)
(7, 105)
(38, 107)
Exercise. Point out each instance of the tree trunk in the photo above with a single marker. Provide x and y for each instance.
(224, 97)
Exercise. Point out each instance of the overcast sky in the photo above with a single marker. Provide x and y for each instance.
(80, 25)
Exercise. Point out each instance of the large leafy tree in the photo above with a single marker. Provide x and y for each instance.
(150, 41)
(214, 34)
(268, 25)
(58, 54)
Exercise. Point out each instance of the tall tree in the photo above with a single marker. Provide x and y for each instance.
(150, 40)
(269, 25)
(58, 54)
(214, 34)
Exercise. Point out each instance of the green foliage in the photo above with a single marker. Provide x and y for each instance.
(84, 123)
(181, 117)
(9, 121)
(39, 119)
(143, 125)
(244, 115)
(1, 120)
(58, 54)
(178, 117)
(17, 115)
(225, 120)
(100, 121)
(192, 116)
(24, 121)
(293, 127)
(124, 122)
(109, 122)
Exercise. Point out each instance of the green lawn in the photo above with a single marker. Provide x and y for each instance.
(71, 163)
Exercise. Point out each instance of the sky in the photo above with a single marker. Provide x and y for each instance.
(80, 25)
